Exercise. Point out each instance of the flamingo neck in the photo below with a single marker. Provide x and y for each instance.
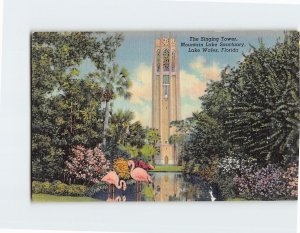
(120, 185)
(132, 167)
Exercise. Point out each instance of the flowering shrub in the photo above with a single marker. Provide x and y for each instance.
(120, 166)
(266, 183)
(86, 165)
(244, 178)
(142, 164)
(230, 166)
(291, 177)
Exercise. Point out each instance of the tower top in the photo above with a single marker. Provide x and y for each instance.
(165, 42)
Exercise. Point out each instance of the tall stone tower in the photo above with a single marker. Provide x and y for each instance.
(165, 96)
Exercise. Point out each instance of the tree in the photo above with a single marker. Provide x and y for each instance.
(181, 136)
(136, 135)
(148, 152)
(217, 98)
(57, 102)
(120, 125)
(124, 137)
(263, 115)
(152, 139)
(152, 136)
(206, 141)
(115, 83)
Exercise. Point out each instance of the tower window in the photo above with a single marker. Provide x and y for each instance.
(166, 79)
(166, 60)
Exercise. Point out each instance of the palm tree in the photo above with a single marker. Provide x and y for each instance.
(115, 83)
(121, 122)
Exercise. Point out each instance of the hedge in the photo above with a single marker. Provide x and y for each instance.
(58, 188)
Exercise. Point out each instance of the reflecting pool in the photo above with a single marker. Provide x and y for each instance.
(167, 186)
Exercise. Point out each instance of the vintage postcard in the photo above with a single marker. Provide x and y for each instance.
(164, 116)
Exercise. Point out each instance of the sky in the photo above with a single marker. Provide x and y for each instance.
(197, 69)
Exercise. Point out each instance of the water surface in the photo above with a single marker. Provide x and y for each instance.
(167, 186)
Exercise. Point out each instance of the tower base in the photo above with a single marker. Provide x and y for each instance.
(167, 155)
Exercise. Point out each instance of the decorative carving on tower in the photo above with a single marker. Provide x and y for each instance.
(165, 96)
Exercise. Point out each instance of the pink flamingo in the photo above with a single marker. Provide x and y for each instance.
(139, 174)
(111, 178)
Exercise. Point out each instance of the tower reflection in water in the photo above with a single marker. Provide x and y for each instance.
(167, 187)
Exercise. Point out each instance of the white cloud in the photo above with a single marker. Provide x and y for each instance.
(143, 113)
(188, 108)
(191, 86)
(142, 84)
(210, 72)
(140, 101)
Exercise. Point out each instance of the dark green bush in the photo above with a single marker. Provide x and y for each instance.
(227, 186)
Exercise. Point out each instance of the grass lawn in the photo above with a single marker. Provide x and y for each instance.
(53, 198)
(168, 168)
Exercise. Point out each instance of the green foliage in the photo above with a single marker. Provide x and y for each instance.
(122, 131)
(136, 135)
(206, 143)
(152, 149)
(132, 151)
(135, 141)
(227, 186)
(66, 106)
(263, 114)
(167, 168)
(58, 188)
(148, 152)
(180, 138)
(124, 137)
(152, 137)
(51, 198)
